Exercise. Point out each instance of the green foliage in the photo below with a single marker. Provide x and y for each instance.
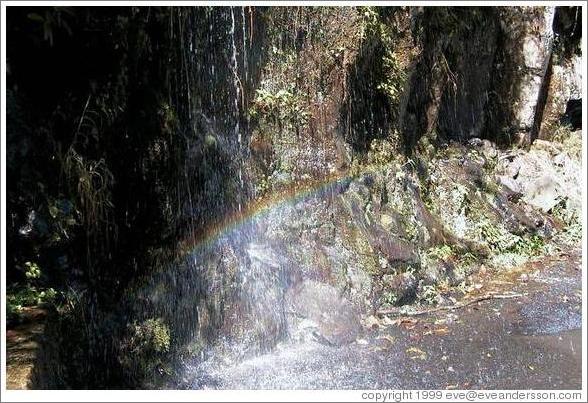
(168, 119)
(284, 107)
(571, 235)
(390, 297)
(571, 141)
(442, 252)
(497, 238)
(18, 297)
(429, 294)
(564, 214)
(529, 246)
(394, 77)
(572, 232)
(381, 152)
(502, 241)
(262, 186)
(52, 20)
(151, 335)
(30, 296)
(91, 182)
(144, 349)
(64, 218)
(32, 271)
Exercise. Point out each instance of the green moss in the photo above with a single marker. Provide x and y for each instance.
(562, 212)
(18, 297)
(195, 347)
(168, 119)
(381, 152)
(150, 335)
(441, 252)
(145, 349)
(529, 246)
(496, 237)
(571, 235)
(390, 297)
(429, 294)
(285, 107)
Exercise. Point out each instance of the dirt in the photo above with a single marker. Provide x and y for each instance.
(22, 344)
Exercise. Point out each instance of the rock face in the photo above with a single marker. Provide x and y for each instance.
(563, 103)
(507, 86)
(536, 50)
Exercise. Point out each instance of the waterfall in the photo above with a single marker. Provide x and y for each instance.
(238, 94)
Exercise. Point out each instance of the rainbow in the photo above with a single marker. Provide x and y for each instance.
(293, 193)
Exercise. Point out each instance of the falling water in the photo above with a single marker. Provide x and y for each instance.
(244, 49)
(238, 95)
(224, 293)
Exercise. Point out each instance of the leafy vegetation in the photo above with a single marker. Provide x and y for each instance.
(283, 108)
(144, 349)
(394, 76)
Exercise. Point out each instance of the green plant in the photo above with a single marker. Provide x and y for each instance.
(64, 217)
(32, 270)
(442, 252)
(91, 181)
(529, 246)
(55, 18)
(168, 119)
(18, 297)
(381, 152)
(144, 350)
(390, 297)
(429, 295)
(562, 212)
(393, 78)
(262, 186)
(497, 237)
(571, 235)
(284, 106)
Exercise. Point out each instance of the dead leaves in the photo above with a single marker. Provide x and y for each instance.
(389, 342)
(439, 331)
(388, 338)
(373, 322)
(416, 353)
(411, 324)
(406, 323)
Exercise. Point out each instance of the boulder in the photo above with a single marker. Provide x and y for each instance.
(320, 308)
(543, 193)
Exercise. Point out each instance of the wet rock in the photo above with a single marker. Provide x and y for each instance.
(320, 307)
(536, 53)
(387, 221)
(546, 175)
(350, 273)
(395, 250)
(565, 87)
(543, 193)
(281, 178)
(489, 150)
(509, 183)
